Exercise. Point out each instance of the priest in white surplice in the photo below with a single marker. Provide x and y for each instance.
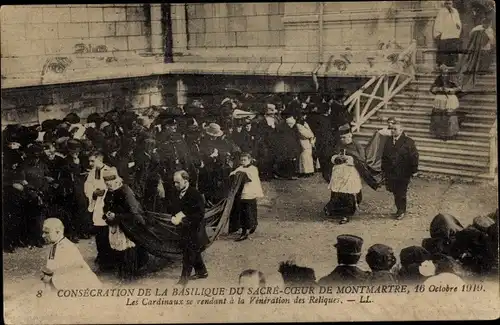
(65, 268)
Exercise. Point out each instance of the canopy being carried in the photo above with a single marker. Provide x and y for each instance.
(161, 238)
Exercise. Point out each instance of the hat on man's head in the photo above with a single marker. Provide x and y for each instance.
(73, 145)
(112, 144)
(413, 255)
(344, 129)
(380, 257)
(214, 130)
(35, 149)
(72, 118)
(95, 118)
(392, 120)
(109, 174)
(349, 245)
(49, 125)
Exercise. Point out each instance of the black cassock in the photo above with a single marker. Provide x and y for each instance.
(127, 210)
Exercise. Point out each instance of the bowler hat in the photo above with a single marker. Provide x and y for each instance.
(73, 145)
(72, 118)
(214, 130)
(413, 255)
(95, 118)
(34, 149)
(49, 125)
(349, 244)
(380, 257)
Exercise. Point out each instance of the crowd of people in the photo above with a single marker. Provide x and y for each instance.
(47, 167)
(452, 255)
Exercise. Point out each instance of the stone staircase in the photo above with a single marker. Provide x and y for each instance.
(468, 156)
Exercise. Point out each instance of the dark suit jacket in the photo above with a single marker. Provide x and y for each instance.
(192, 205)
(345, 274)
(400, 160)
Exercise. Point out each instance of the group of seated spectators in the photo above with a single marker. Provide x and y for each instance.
(451, 255)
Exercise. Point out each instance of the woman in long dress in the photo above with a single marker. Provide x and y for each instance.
(479, 55)
(444, 119)
(345, 183)
(306, 137)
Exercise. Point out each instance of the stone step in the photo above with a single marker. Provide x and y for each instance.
(425, 85)
(425, 132)
(464, 175)
(484, 111)
(444, 153)
(472, 99)
(411, 99)
(463, 165)
(435, 143)
(425, 112)
(432, 75)
(425, 121)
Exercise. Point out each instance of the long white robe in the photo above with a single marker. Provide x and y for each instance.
(70, 269)
(306, 163)
(96, 206)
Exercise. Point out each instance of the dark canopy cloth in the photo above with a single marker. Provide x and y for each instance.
(161, 238)
(370, 169)
(473, 61)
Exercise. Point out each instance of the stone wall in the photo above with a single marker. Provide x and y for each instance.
(235, 25)
(35, 104)
(39, 40)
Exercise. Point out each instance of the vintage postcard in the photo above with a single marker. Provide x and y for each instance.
(249, 162)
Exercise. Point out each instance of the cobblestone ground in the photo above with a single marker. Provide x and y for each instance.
(291, 226)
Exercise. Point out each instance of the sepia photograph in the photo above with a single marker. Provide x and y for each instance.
(249, 162)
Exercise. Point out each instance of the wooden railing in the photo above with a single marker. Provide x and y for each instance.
(392, 84)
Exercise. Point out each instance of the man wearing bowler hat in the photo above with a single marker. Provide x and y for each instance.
(399, 164)
(348, 255)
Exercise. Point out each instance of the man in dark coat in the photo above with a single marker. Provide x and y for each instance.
(266, 130)
(75, 172)
(339, 114)
(348, 255)
(36, 180)
(326, 138)
(217, 154)
(148, 185)
(399, 165)
(381, 259)
(14, 194)
(189, 214)
(174, 155)
(287, 154)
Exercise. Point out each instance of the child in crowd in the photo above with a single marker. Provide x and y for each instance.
(246, 208)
